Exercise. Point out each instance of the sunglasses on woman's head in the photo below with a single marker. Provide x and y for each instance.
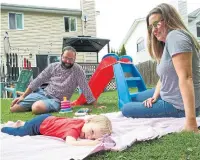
(155, 25)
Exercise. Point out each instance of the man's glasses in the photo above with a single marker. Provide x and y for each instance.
(155, 25)
(71, 60)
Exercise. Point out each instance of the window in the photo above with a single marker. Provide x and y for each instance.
(198, 32)
(16, 21)
(198, 29)
(54, 58)
(140, 44)
(70, 24)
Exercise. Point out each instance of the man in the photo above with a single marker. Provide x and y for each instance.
(63, 79)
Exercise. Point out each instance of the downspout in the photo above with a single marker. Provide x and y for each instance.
(108, 47)
(97, 57)
(83, 31)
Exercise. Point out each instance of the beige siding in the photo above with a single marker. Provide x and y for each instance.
(43, 33)
(89, 10)
(86, 57)
(90, 57)
(80, 57)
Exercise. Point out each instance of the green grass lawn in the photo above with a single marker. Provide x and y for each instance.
(181, 146)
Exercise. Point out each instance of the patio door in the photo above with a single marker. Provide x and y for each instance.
(41, 62)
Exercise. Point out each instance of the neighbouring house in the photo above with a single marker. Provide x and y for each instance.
(135, 41)
(136, 38)
(194, 23)
(36, 33)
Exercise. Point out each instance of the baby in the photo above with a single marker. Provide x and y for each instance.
(69, 129)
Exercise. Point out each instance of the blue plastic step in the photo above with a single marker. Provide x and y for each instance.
(133, 95)
(133, 79)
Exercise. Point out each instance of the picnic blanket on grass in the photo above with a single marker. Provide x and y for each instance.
(126, 131)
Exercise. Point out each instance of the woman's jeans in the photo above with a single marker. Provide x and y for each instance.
(160, 108)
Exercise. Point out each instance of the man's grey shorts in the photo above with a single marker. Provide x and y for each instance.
(51, 104)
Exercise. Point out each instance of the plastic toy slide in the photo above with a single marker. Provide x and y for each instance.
(99, 80)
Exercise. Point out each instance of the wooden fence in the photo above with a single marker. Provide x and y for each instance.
(146, 69)
(148, 72)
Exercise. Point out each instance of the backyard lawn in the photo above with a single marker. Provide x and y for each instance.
(182, 146)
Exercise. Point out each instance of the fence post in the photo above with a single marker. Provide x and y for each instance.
(148, 72)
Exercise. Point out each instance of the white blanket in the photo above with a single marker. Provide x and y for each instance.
(126, 131)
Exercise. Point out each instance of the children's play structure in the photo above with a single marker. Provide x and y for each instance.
(126, 76)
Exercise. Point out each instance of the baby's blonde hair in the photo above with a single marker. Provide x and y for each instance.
(103, 122)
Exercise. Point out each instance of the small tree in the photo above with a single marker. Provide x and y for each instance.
(118, 53)
(122, 51)
(112, 50)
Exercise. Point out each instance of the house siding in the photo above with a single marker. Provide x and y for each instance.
(181, 6)
(43, 33)
(131, 45)
(88, 9)
(193, 26)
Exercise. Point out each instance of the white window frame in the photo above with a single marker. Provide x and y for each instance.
(141, 39)
(70, 23)
(15, 20)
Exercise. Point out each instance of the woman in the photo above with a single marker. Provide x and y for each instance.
(177, 93)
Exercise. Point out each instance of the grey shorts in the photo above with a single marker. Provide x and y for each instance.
(51, 104)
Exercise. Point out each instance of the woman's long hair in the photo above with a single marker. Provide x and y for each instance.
(172, 21)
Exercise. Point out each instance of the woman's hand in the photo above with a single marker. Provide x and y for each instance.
(148, 102)
(191, 126)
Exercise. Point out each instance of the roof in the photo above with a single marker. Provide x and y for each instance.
(133, 26)
(193, 15)
(16, 7)
(85, 43)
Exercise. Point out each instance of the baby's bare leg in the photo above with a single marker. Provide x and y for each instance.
(16, 124)
(19, 123)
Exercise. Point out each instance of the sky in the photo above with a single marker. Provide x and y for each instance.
(116, 16)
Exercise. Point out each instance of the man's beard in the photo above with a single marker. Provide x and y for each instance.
(67, 65)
